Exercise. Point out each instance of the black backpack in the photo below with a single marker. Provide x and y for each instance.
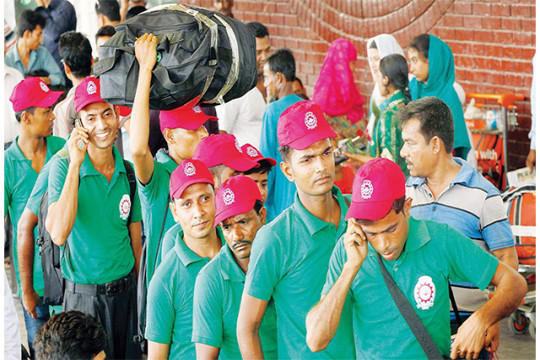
(203, 57)
(53, 291)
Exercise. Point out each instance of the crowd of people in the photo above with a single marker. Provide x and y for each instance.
(232, 231)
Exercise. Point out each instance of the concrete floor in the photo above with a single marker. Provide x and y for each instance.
(512, 347)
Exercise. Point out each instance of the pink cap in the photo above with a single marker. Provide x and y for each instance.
(376, 185)
(183, 117)
(236, 196)
(303, 124)
(30, 92)
(255, 155)
(87, 92)
(189, 172)
(223, 149)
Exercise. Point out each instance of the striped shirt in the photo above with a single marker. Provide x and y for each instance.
(470, 204)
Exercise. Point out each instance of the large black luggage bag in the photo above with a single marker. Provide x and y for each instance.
(203, 57)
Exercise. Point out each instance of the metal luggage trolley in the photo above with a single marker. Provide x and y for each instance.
(491, 144)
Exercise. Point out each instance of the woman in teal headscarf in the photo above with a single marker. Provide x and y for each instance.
(432, 65)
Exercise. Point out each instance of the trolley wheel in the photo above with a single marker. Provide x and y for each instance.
(532, 330)
(517, 323)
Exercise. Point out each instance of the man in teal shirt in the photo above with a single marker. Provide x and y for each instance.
(290, 256)
(32, 102)
(279, 72)
(421, 256)
(219, 285)
(170, 294)
(96, 220)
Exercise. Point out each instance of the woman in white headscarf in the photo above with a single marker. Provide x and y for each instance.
(377, 48)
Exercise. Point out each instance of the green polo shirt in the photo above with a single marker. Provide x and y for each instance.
(155, 204)
(169, 316)
(433, 254)
(19, 179)
(289, 261)
(41, 185)
(99, 246)
(216, 303)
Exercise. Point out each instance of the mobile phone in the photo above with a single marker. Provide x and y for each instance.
(80, 143)
(339, 157)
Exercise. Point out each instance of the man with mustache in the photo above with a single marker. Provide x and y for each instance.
(420, 256)
(32, 103)
(290, 255)
(96, 219)
(196, 242)
(219, 285)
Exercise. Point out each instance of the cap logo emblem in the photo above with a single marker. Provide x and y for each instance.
(43, 86)
(189, 169)
(310, 120)
(252, 152)
(91, 88)
(197, 109)
(366, 189)
(228, 197)
(237, 145)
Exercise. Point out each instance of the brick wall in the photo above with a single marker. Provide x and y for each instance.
(493, 41)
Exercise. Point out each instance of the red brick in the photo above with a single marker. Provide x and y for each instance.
(511, 24)
(500, 9)
(492, 50)
(490, 22)
(464, 34)
(454, 21)
(523, 67)
(521, 10)
(481, 8)
(507, 65)
(523, 38)
(529, 25)
(472, 22)
(463, 8)
(513, 80)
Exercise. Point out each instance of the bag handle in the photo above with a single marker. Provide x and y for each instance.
(410, 316)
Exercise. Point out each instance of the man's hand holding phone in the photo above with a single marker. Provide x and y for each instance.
(78, 143)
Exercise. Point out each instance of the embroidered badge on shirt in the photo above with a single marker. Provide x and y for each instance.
(189, 169)
(252, 152)
(91, 88)
(125, 207)
(44, 86)
(228, 197)
(310, 120)
(424, 293)
(366, 189)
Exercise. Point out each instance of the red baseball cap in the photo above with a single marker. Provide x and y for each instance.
(87, 92)
(183, 117)
(376, 185)
(236, 196)
(303, 124)
(256, 155)
(223, 149)
(32, 91)
(189, 172)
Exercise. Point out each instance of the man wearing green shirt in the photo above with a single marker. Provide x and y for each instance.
(420, 256)
(290, 256)
(219, 285)
(182, 129)
(32, 103)
(170, 294)
(97, 222)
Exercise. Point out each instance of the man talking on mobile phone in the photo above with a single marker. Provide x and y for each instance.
(95, 216)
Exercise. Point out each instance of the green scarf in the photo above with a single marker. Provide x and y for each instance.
(440, 84)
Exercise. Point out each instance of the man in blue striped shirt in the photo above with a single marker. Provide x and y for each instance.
(448, 190)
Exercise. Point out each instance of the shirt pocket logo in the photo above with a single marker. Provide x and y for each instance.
(125, 207)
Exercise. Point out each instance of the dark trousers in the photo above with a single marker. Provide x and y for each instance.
(117, 313)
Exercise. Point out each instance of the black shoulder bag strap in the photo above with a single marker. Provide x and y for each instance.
(410, 316)
(132, 185)
(454, 304)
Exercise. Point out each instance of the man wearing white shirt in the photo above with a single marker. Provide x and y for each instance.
(12, 127)
(242, 117)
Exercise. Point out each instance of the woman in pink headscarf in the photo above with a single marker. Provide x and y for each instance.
(336, 92)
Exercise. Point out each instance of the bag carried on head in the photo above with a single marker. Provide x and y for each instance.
(203, 57)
